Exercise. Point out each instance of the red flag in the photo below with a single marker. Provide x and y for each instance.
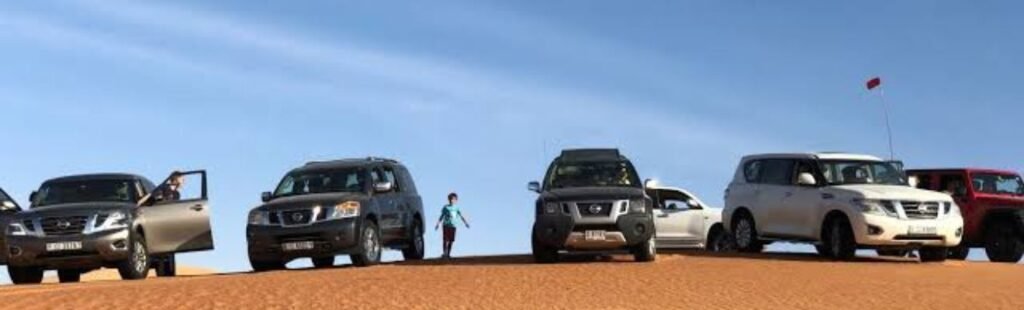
(875, 82)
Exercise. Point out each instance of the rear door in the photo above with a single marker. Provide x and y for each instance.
(776, 178)
(385, 202)
(8, 207)
(802, 205)
(176, 218)
(396, 205)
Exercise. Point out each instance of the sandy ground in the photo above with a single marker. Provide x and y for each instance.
(683, 280)
(111, 274)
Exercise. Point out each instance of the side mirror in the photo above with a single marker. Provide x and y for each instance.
(382, 187)
(648, 183)
(8, 206)
(265, 196)
(533, 186)
(693, 204)
(806, 179)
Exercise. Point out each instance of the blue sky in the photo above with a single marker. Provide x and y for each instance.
(477, 97)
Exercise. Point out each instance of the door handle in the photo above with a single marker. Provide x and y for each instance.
(196, 208)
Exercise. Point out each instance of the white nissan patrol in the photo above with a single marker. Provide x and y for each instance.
(838, 202)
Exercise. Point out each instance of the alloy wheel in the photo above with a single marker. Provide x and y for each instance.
(140, 257)
(743, 232)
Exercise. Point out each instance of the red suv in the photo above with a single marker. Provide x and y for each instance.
(992, 203)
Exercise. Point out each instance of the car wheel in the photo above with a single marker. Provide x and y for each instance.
(370, 247)
(543, 254)
(1002, 244)
(959, 252)
(646, 251)
(839, 241)
(933, 254)
(415, 249)
(136, 267)
(720, 242)
(894, 253)
(25, 275)
(323, 262)
(745, 235)
(265, 265)
(69, 275)
(822, 250)
(166, 266)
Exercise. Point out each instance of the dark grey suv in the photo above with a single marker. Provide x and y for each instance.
(79, 223)
(592, 201)
(323, 209)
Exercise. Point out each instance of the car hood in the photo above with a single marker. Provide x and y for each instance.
(888, 192)
(71, 209)
(592, 193)
(309, 200)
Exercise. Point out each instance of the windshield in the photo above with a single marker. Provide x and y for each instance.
(1004, 184)
(350, 180)
(585, 174)
(86, 191)
(3, 197)
(839, 172)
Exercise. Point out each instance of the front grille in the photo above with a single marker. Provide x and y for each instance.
(594, 209)
(920, 210)
(274, 218)
(62, 226)
(296, 217)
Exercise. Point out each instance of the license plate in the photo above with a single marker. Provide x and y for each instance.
(594, 235)
(922, 230)
(297, 246)
(63, 246)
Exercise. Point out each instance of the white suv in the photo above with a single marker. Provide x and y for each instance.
(683, 221)
(839, 202)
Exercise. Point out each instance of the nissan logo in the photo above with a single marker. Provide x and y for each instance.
(63, 224)
(297, 217)
(594, 209)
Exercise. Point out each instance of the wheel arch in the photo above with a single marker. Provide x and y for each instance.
(829, 216)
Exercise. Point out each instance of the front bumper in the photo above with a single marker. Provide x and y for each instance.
(883, 231)
(334, 237)
(560, 231)
(98, 250)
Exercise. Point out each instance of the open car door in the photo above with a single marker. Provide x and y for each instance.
(8, 207)
(176, 215)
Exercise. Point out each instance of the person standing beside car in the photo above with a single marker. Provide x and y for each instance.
(448, 213)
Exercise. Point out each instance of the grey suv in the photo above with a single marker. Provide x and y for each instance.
(323, 209)
(85, 222)
(592, 201)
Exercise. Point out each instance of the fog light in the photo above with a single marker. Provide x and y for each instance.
(15, 251)
(875, 230)
(120, 244)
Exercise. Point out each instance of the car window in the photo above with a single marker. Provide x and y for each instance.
(953, 184)
(777, 171)
(75, 191)
(803, 166)
(389, 176)
(347, 180)
(375, 176)
(752, 171)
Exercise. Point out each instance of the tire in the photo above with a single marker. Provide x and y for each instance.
(822, 250)
(415, 249)
(166, 266)
(136, 267)
(369, 246)
(69, 275)
(720, 242)
(323, 262)
(646, 251)
(265, 265)
(1002, 244)
(838, 240)
(933, 254)
(745, 234)
(542, 254)
(959, 252)
(25, 275)
(894, 253)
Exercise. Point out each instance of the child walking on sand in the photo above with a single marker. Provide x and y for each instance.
(448, 213)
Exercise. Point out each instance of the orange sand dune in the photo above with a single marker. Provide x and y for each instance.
(111, 274)
(676, 281)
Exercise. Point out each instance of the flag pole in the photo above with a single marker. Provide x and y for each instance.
(888, 127)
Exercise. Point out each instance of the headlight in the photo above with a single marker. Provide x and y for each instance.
(258, 217)
(880, 207)
(16, 229)
(343, 210)
(637, 206)
(109, 221)
(551, 207)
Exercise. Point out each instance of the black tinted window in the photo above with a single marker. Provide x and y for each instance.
(389, 176)
(777, 171)
(752, 171)
(86, 191)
